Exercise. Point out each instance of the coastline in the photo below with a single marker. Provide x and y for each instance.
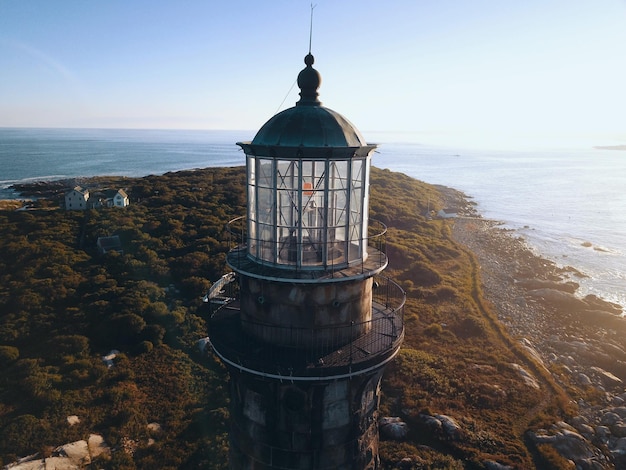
(524, 283)
(586, 359)
(581, 342)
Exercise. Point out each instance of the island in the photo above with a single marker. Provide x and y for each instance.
(503, 366)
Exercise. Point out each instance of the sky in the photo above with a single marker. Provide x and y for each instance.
(483, 70)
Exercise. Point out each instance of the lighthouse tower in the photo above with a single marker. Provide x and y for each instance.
(315, 322)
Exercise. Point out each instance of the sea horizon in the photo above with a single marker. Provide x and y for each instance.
(565, 201)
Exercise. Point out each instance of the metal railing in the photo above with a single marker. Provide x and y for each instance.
(356, 345)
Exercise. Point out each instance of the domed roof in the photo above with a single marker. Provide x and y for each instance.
(309, 124)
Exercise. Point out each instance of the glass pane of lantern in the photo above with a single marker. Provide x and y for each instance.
(264, 172)
(287, 174)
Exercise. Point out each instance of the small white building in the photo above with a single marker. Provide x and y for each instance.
(120, 199)
(108, 198)
(81, 199)
(76, 199)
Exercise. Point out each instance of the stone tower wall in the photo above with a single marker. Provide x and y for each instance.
(330, 424)
(305, 315)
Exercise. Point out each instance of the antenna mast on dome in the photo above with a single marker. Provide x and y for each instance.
(311, 28)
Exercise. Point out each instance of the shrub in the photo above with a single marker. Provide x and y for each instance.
(424, 274)
(8, 354)
(434, 329)
(154, 334)
(446, 293)
(24, 435)
(144, 347)
(68, 345)
(472, 326)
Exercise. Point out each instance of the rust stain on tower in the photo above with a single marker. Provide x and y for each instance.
(315, 322)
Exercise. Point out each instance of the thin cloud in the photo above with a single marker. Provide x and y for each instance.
(49, 62)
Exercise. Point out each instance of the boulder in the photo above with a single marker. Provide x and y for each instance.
(534, 284)
(577, 420)
(593, 464)
(492, 465)
(393, 428)
(606, 377)
(526, 376)
(60, 463)
(97, 446)
(154, 427)
(610, 419)
(450, 427)
(432, 423)
(602, 318)
(581, 424)
(597, 303)
(530, 348)
(560, 299)
(620, 410)
(77, 452)
(618, 429)
(603, 433)
(618, 452)
(620, 445)
(614, 351)
(570, 445)
(72, 420)
(585, 429)
(565, 426)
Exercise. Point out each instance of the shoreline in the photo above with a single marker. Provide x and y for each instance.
(524, 285)
(580, 342)
(516, 276)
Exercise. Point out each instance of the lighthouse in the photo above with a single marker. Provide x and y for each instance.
(314, 321)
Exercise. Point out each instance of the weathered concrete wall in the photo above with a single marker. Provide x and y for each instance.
(310, 425)
(331, 312)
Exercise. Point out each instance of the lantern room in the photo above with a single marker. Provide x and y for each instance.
(308, 179)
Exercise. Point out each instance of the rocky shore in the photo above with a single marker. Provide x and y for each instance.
(581, 341)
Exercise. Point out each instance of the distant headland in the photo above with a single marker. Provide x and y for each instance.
(610, 147)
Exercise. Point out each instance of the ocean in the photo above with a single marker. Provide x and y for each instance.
(568, 201)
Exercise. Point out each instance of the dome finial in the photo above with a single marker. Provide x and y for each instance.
(309, 80)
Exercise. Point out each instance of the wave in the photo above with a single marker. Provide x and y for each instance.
(6, 183)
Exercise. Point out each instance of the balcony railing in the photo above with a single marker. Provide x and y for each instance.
(374, 342)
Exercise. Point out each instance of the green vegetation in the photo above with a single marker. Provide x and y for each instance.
(63, 306)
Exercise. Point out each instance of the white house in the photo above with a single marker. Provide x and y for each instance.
(81, 199)
(108, 198)
(120, 199)
(76, 199)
